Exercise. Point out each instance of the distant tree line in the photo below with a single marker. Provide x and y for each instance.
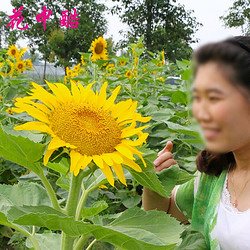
(165, 25)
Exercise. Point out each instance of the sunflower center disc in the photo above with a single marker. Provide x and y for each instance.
(20, 66)
(92, 130)
(98, 48)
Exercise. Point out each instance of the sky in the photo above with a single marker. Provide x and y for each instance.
(206, 12)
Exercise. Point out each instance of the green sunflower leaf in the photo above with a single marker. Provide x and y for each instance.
(27, 193)
(192, 239)
(3, 219)
(133, 229)
(20, 150)
(96, 208)
(161, 182)
(182, 129)
(47, 241)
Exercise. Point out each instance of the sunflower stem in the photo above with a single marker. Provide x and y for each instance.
(91, 244)
(31, 237)
(70, 209)
(81, 203)
(81, 242)
(50, 191)
(64, 151)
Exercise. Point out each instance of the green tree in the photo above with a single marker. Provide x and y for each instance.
(238, 16)
(61, 43)
(6, 37)
(165, 26)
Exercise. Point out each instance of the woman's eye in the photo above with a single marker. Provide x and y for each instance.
(196, 98)
(213, 98)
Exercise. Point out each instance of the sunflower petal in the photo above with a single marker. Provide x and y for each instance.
(119, 172)
(17, 110)
(112, 98)
(56, 143)
(137, 152)
(75, 91)
(47, 155)
(91, 98)
(140, 118)
(107, 158)
(116, 157)
(131, 132)
(75, 157)
(120, 109)
(42, 107)
(124, 150)
(32, 111)
(108, 173)
(85, 162)
(36, 126)
(61, 91)
(138, 142)
(27, 100)
(85, 91)
(132, 164)
(102, 95)
(130, 113)
(44, 96)
(98, 160)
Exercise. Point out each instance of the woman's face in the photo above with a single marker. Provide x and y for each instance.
(221, 110)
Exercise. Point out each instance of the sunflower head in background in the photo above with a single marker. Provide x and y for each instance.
(92, 126)
(98, 48)
(13, 51)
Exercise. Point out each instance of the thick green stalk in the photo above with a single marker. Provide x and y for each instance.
(70, 209)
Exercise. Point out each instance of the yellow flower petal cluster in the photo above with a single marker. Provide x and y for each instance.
(75, 71)
(98, 48)
(7, 68)
(9, 111)
(14, 65)
(20, 66)
(93, 127)
(122, 63)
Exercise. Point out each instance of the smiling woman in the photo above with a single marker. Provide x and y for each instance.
(217, 200)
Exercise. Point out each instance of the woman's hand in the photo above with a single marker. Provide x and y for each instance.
(165, 158)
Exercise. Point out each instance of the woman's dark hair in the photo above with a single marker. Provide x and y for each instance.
(233, 55)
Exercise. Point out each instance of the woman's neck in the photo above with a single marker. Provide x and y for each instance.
(242, 158)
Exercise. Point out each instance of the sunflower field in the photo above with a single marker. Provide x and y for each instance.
(75, 155)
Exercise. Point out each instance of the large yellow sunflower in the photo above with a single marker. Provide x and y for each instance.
(89, 124)
(98, 47)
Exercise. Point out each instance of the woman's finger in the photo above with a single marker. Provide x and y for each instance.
(162, 158)
(168, 148)
(166, 164)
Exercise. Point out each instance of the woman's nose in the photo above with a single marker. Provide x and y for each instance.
(201, 112)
